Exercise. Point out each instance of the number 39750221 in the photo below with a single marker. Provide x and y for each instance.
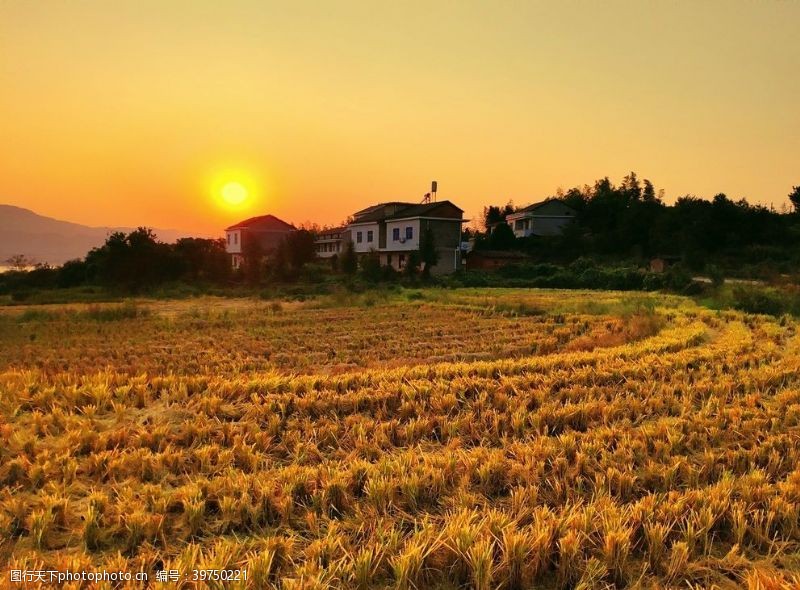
(205, 575)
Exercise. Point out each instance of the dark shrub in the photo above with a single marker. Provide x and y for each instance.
(757, 300)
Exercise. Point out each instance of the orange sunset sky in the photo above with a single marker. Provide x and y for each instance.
(137, 113)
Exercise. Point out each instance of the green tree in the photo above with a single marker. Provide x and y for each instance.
(253, 266)
(428, 254)
(133, 261)
(19, 262)
(502, 238)
(794, 197)
(300, 248)
(412, 264)
(494, 214)
(371, 266)
(203, 259)
(349, 261)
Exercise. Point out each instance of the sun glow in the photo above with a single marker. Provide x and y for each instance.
(234, 189)
(234, 193)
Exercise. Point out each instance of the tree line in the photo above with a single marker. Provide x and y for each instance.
(626, 223)
(138, 261)
(130, 262)
(630, 221)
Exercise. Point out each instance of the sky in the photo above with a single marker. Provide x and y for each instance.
(140, 112)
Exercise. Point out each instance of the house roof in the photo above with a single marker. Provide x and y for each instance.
(402, 211)
(320, 235)
(378, 212)
(381, 206)
(421, 210)
(263, 223)
(534, 206)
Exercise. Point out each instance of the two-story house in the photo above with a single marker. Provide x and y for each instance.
(545, 218)
(330, 242)
(260, 234)
(394, 229)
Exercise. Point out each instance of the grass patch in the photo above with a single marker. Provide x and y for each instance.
(94, 313)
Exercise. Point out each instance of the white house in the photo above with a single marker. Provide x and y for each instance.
(330, 242)
(260, 234)
(545, 218)
(394, 229)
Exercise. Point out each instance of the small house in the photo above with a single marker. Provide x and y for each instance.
(262, 234)
(545, 218)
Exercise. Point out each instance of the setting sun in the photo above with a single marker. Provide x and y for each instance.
(234, 188)
(234, 193)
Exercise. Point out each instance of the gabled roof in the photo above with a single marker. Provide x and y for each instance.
(320, 235)
(333, 230)
(534, 206)
(421, 210)
(378, 212)
(379, 206)
(401, 211)
(263, 223)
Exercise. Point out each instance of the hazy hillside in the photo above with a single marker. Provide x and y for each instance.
(51, 240)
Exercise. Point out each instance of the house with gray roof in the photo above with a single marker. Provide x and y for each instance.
(545, 218)
(394, 230)
(260, 234)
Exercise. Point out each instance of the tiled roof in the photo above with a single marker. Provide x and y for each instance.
(402, 211)
(378, 212)
(534, 206)
(263, 223)
(421, 210)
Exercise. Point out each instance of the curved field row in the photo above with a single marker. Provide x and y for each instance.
(294, 339)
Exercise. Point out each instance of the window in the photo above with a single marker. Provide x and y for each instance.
(229, 239)
(359, 237)
(369, 235)
(409, 232)
(235, 238)
(396, 234)
(401, 260)
(519, 224)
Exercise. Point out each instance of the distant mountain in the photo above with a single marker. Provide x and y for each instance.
(45, 239)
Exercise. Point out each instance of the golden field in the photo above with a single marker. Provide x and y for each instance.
(413, 439)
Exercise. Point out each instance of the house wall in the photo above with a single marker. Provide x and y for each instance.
(396, 260)
(406, 245)
(547, 220)
(236, 241)
(447, 237)
(364, 246)
(267, 240)
(549, 226)
(233, 241)
(328, 248)
(329, 244)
